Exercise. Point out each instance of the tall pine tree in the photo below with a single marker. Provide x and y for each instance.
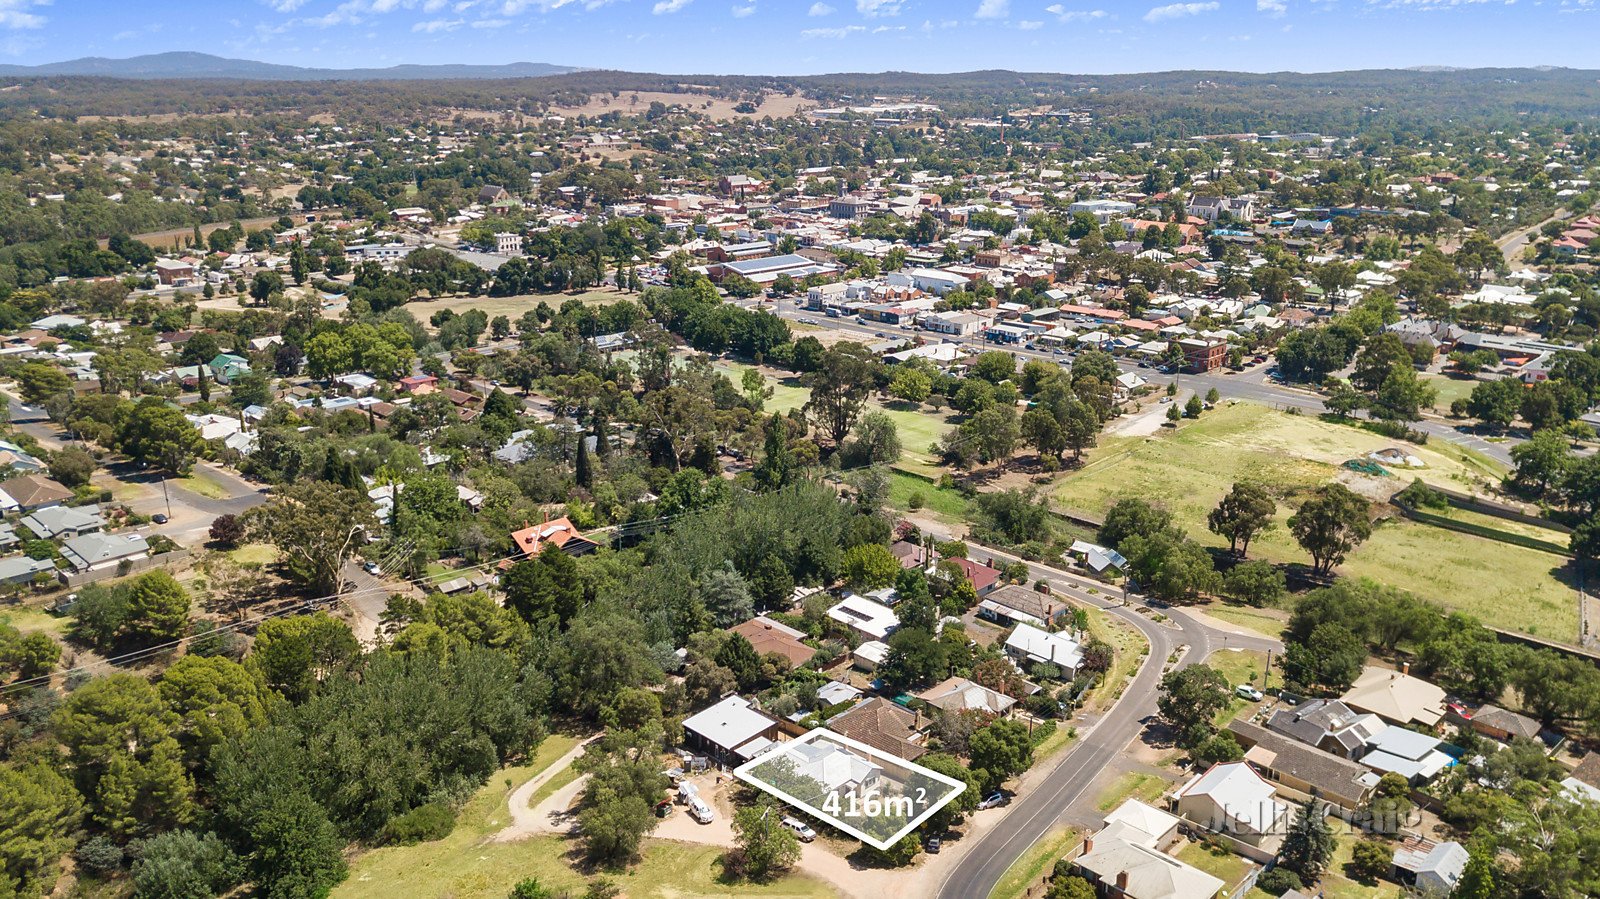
(1309, 845)
(581, 469)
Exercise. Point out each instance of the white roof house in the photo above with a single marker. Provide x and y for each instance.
(1141, 872)
(1232, 798)
(1433, 869)
(1030, 644)
(1414, 756)
(833, 766)
(871, 620)
(1144, 818)
(729, 724)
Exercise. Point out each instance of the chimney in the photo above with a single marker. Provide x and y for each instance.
(1405, 667)
(1122, 881)
(1088, 845)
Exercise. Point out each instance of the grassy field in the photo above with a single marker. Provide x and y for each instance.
(1219, 863)
(199, 483)
(31, 620)
(465, 864)
(254, 554)
(1035, 863)
(919, 428)
(1526, 529)
(786, 393)
(943, 503)
(1251, 619)
(1190, 469)
(1449, 390)
(1132, 785)
(513, 307)
(1242, 666)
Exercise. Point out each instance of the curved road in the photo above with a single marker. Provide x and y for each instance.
(1035, 813)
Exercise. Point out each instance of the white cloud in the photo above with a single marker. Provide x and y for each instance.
(434, 26)
(14, 14)
(667, 7)
(873, 8)
(1272, 7)
(1030, 25)
(1180, 10)
(286, 5)
(820, 9)
(740, 12)
(993, 9)
(1075, 15)
(491, 23)
(835, 33)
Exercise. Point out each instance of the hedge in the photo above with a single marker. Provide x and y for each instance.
(1479, 530)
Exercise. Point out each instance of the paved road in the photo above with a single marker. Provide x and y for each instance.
(1251, 384)
(1036, 813)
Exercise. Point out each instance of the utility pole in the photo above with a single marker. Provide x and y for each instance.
(165, 495)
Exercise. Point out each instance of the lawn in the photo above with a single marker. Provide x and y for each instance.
(1241, 666)
(254, 554)
(1218, 862)
(919, 428)
(1449, 390)
(513, 307)
(1189, 470)
(1039, 860)
(1254, 620)
(465, 864)
(199, 483)
(944, 503)
(1130, 648)
(30, 620)
(1132, 785)
(1523, 528)
(786, 393)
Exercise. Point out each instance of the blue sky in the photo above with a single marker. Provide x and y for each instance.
(810, 36)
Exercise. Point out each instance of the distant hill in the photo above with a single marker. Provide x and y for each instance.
(204, 65)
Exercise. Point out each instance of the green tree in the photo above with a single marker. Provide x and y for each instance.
(1481, 879)
(763, 847)
(155, 433)
(1000, 750)
(840, 385)
(1331, 657)
(216, 699)
(40, 381)
(1190, 699)
(158, 608)
(1255, 583)
(264, 285)
(1130, 517)
(546, 586)
(870, 566)
(1309, 845)
(910, 384)
(1245, 511)
(1330, 524)
(875, 441)
(39, 813)
(318, 527)
(293, 655)
(182, 864)
(1542, 462)
(778, 464)
(73, 466)
(296, 853)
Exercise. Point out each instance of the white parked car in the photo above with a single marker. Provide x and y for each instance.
(1248, 691)
(699, 811)
(801, 829)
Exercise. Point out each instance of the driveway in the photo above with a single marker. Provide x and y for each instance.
(1037, 812)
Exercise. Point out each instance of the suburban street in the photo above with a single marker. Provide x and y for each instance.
(1251, 384)
(1035, 814)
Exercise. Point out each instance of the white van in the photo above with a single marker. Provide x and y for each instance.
(699, 811)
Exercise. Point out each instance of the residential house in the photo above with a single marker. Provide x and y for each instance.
(1028, 645)
(984, 579)
(1329, 725)
(1396, 697)
(838, 769)
(1098, 559)
(1203, 354)
(52, 522)
(1124, 860)
(768, 636)
(885, 726)
(1431, 869)
(958, 694)
(1015, 604)
(417, 385)
(17, 459)
(869, 655)
(1414, 756)
(1584, 781)
(1233, 799)
(1147, 819)
(873, 621)
(97, 552)
(23, 570)
(1501, 724)
(1304, 768)
(31, 491)
(226, 367)
(559, 532)
(911, 555)
(723, 729)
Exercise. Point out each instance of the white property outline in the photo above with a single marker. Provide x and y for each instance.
(743, 772)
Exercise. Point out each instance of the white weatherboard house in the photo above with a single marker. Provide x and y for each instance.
(1232, 798)
(1029, 645)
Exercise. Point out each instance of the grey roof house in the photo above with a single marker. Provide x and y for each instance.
(63, 521)
(94, 552)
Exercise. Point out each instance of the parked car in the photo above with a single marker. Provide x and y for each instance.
(933, 845)
(1248, 691)
(993, 800)
(699, 811)
(160, 518)
(372, 569)
(801, 829)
